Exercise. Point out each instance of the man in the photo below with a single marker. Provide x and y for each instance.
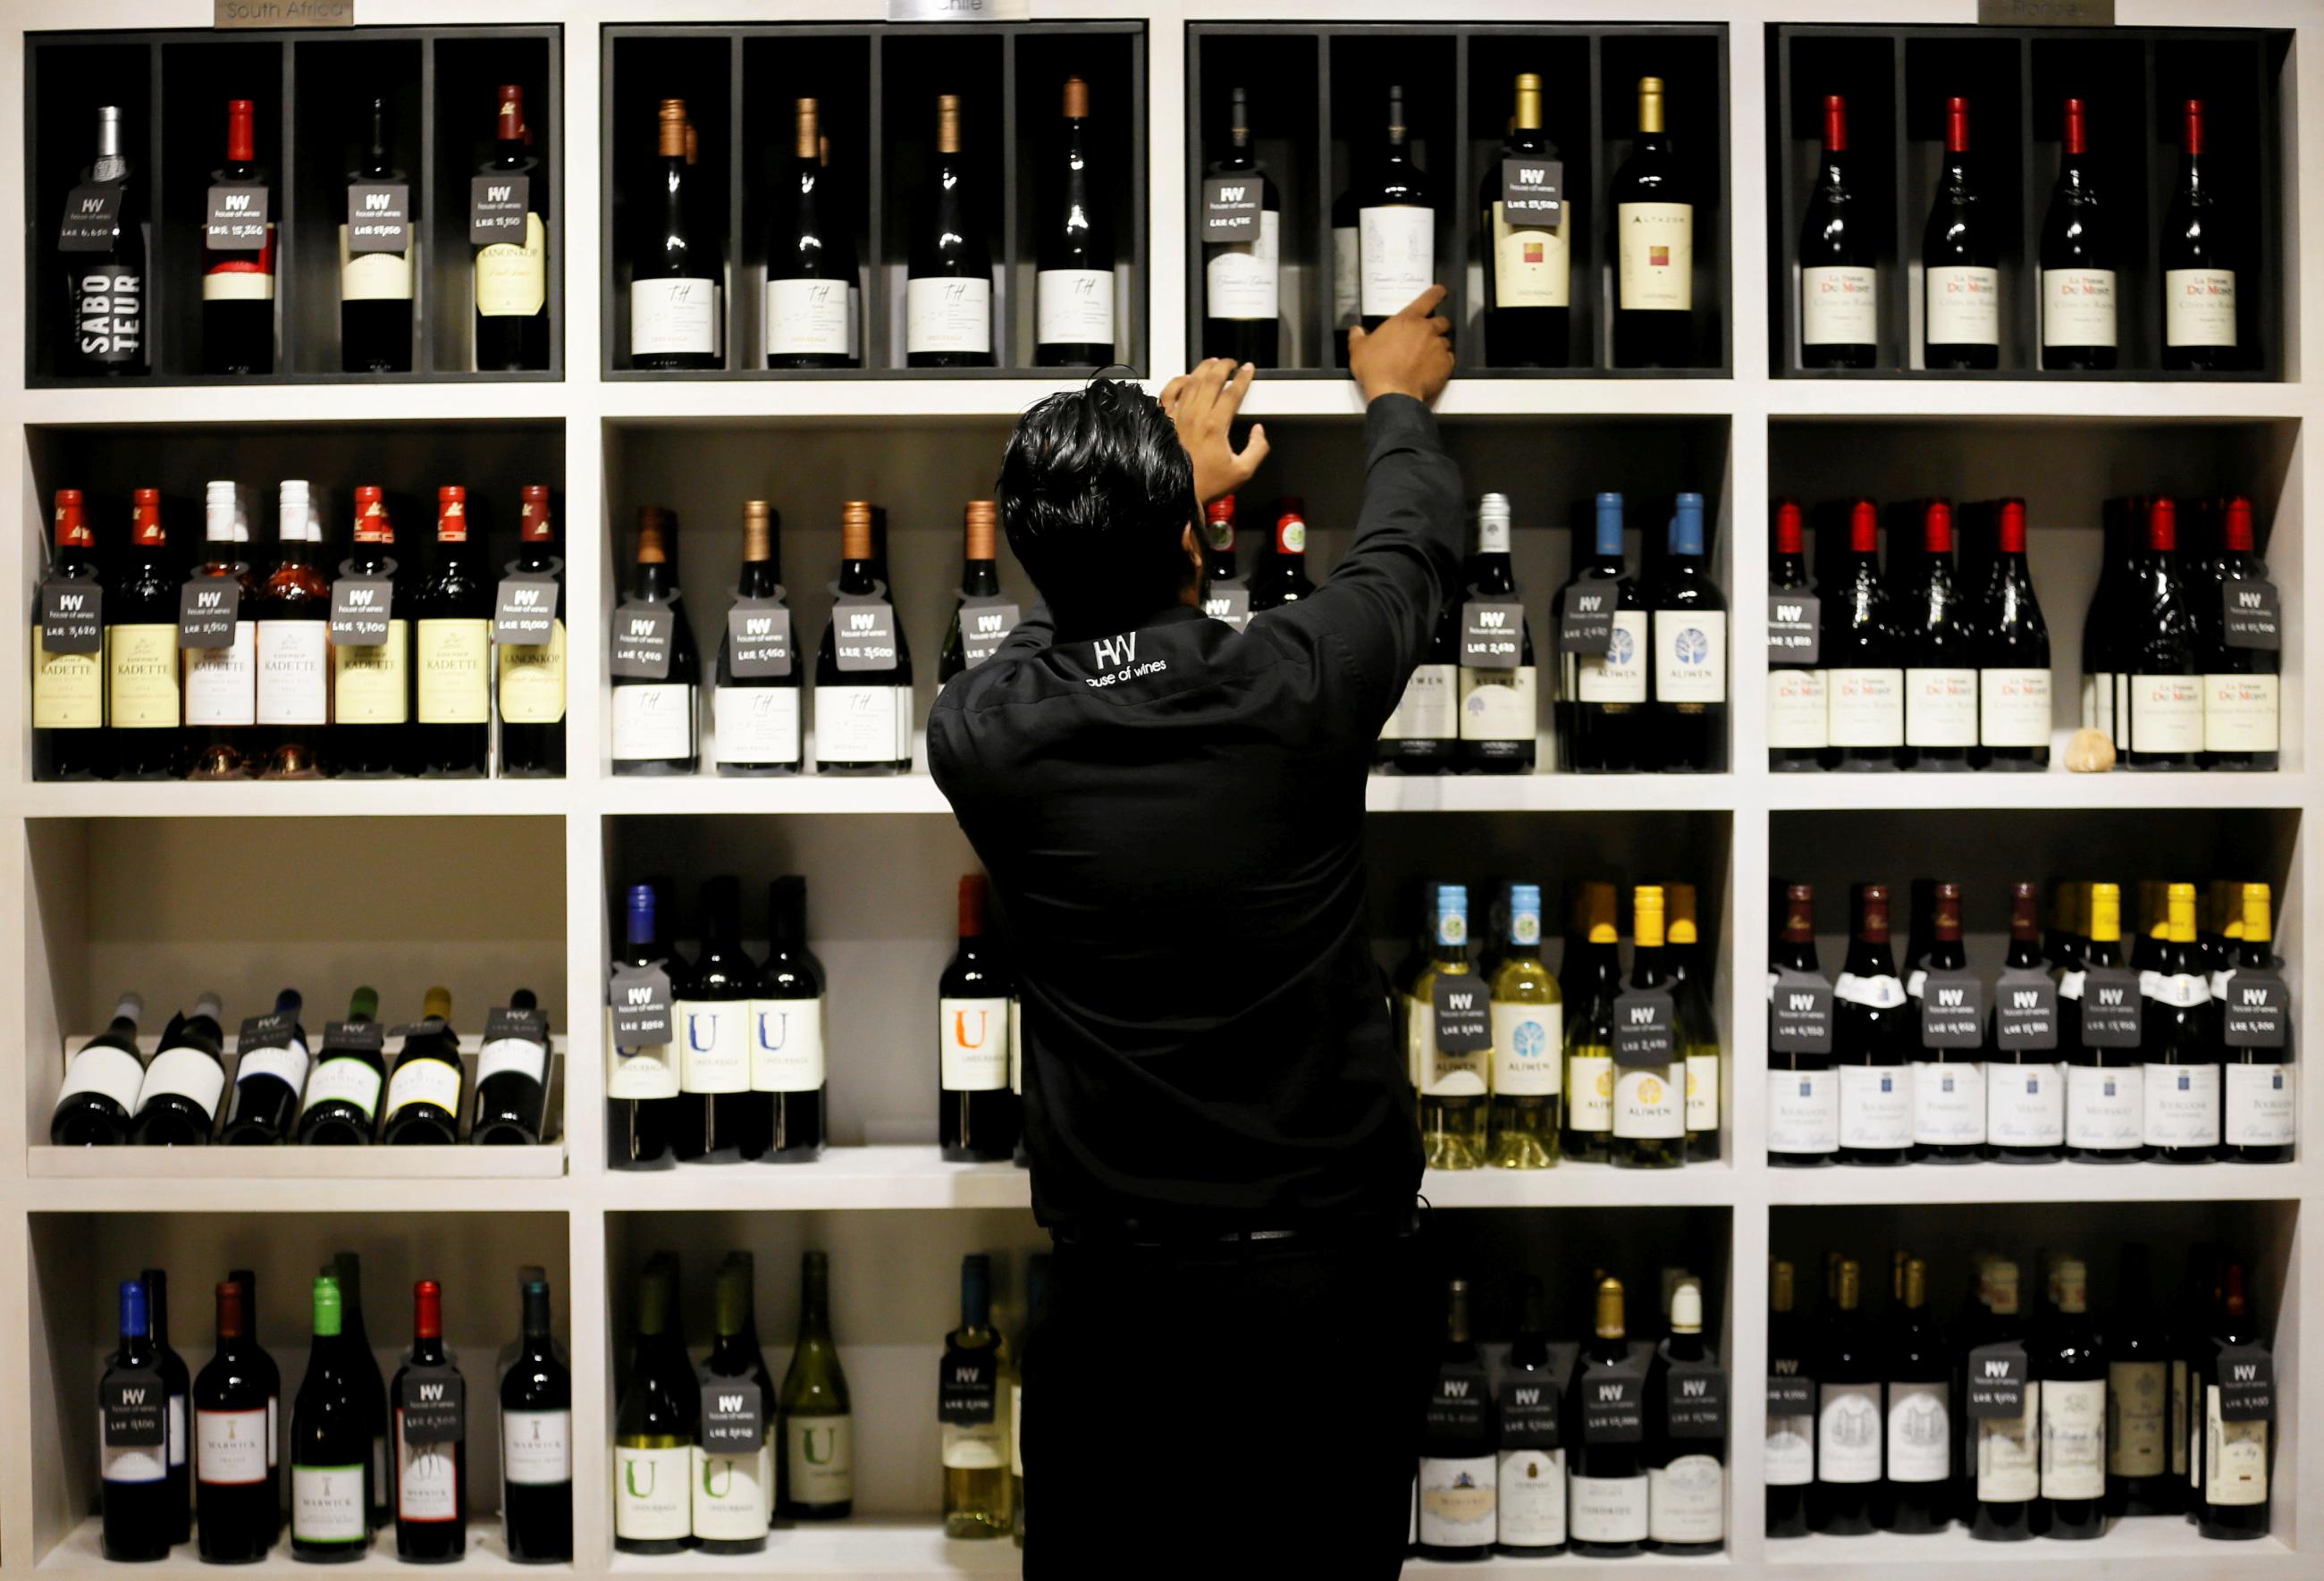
(1222, 1136)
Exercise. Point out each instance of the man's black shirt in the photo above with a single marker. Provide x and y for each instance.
(1172, 822)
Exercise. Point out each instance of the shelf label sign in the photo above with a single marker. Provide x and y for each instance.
(273, 1030)
(1795, 628)
(759, 639)
(2246, 1380)
(643, 1007)
(985, 623)
(282, 12)
(1533, 193)
(497, 207)
(524, 610)
(209, 609)
(2025, 1011)
(733, 1416)
(2045, 13)
(505, 1022)
(643, 634)
(1697, 1399)
(960, 10)
(237, 217)
(1953, 1011)
(1799, 1013)
(379, 216)
(1645, 1032)
(863, 632)
(91, 212)
(432, 1407)
(72, 616)
(2255, 1010)
(2251, 614)
(1997, 1382)
(1585, 622)
(1528, 1411)
(2110, 1008)
(1231, 204)
(1492, 634)
(361, 607)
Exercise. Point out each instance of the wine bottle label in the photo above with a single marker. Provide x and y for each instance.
(432, 1081)
(1016, 1064)
(647, 1071)
(1789, 1458)
(1964, 305)
(68, 688)
(1879, 992)
(1703, 1090)
(133, 1432)
(367, 683)
(1428, 710)
(2014, 707)
(1939, 707)
(109, 315)
(2008, 1454)
(222, 683)
(2026, 1105)
(230, 1447)
(2137, 1418)
(806, 318)
(652, 1494)
(455, 672)
(532, 680)
(1803, 1111)
(505, 1056)
(1798, 710)
(1073, 307)
(287, 1063)
(1657, 256)
(1589, 1091)
(1686, 1501)
(326, 1503)
(1689, 656)
(673, 317)
(1876, 1107)
(373, 277)
(1619, 675)
(513, 278)
(2106, 1107)
(820, 1454)
(1649, 1103)
(786, 1046)
(1920, 1433)
(1847, 1433)
(1531, 266)
(2184, 1442)
(945, 314)
(1607, 1509)
(2073, 1439)
(350, 1081)
(653, 722)
(2235, 1456)
(293, 672)
(2182, 990)
(536, 1448)
(2199, 306)
(1867, 707)
(1347, 275)
(863, 723)
(1457, 1501)
(1948, 1103)
(1531, 1497)
(2182, 1106)
(1396, 256)
(1454, 1029)
(713, 1045)
(756, 725)
(184, 1073)
(2239, 714)
(2078, 307)
(426, 1478)
(2263, 1107)
(114, 1073)
(243, 278)
(2166, 713)
(973, 1043)
(1499, 705)
(1526, 1040)
(730, 1502)
(1839, 305)
(1241, 279)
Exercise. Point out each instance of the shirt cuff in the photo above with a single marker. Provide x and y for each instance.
(1391, 421)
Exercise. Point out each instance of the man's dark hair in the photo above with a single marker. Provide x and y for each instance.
(1096, 492)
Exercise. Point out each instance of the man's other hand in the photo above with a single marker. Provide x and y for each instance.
(1409, 354)
(1203, 403)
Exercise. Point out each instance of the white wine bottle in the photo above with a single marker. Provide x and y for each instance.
(974, 1412)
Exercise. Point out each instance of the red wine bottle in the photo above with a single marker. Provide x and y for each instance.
(2199, 320)
(512, 275)
(977, 1115)
(1799, 726)
(1960, 255)
(105, 286)
(1073, 282)
(1242, 317)
(1940, 664)
(2012, 645)
(1862, 654)
(2157, 644)
(69, 687)
(1840, 280)
(2078, 273)
(238, 257)
(1803, 1093)
(1848, 1427)
(1527, 269)
(1873, 1026)
(2241, 697)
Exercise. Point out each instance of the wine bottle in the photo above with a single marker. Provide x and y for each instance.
(2200, 328)
(1803, 1093)
(2011, 642)
(536, 1395)
(222, 681)
(532, 674)
(1948, 1086)
(2138, 1428)
(1872, 1028)
(507, 228)
(1606, 1488)
(142, 703)
(176, 1102)
(452, 615)
(1687, 1476)
(1499, 717)
(1654, 215)
(1696, 1023)
(808, 299)
(293, 637)
(1451, 1027)
(432, 1441)
(978, 1116)
(2070, 1365)
(972, 1411)
(787, 1032)
(1459, 1471)
(654, 1425)
(1395, 225)
(1242, 294)
(1941, 681)
(512, 1099)
(673, 279)
(1840, 276)
(948, 273)
(1530, 1452)
(1790, 1457)
(970, 639)
(1529, 1040)
(2181, 1045)
(1914, 1497)
(657, 671)
(1072, 285)
(371, 668)
(1799, 724)
(1595, 973)
(2262, 1118)
(2078, 273)
(69, 737)
(1602, 694)
(238, 255)
(331, 1461)
(2106, 1102)
(731, 1499)
(1527, 267)
(133, 1436)
(105, 278)
(425, 1095)
(819, 1426)
(1863, 652)
(719, 1119)
(1961, 311)
(1689, 733)
(346, 1268)
(101, 1084)
(375, 246)
(1849, 1429)
(756, 712)
(343, 1090)
(234, 1435)
(641, 1085)
(2239, 661)
(177, 1393)
(1650, 1071)
(863, 697)
(2232, 1489)
(1282, 576)
(2006, 1504)
(271, 1060)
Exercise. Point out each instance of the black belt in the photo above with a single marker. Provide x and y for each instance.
(1146, 1234)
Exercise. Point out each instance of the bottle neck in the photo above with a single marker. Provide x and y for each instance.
(980, 578)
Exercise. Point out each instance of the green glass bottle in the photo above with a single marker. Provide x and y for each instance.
(1593, 977)
(1650, 1098)
(1528, 1043)
(728, 1471)
(653, 1426)
(819, 1428)
(973, 1407)
(1698, 1027)
(1448, 999)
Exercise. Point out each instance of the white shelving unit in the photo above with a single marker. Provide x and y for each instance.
(894, 1217)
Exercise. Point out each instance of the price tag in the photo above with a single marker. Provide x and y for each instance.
(2256, 1012)
(1231, 204)
(271, 1031)
(1585, 619)
(759, 639)
(133, 1402)
(641, 997)
(1228, 600)
(2247, 1379)
(530, 1026)
(1795, 628)
(1613, 1409)
(1799, 1014)
(1953, 1011)
(1528, 1411)
(2025, 1011)
(984, 625)
(1645, 1031)
(1492, 634)
(361, 607)
(2252, 614)
(379, 216)
(209, 608)
(237, 217)
(1790, 1394)
(1456, 1405)
(497, 206)
(1696, 1399)
(72, 616)
(92, 213)
(1997, 1382)
(1462, 1008)
(1533, 192)
(432, 1406)
(643, 634)
(863, 632)
(354, 1038)
(968, 1391)
(733, 1416)
(524, 608)
(2110, 1008)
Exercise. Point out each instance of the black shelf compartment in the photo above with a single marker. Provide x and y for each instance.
(1318, 96)
(876, 87)
(2017, 79)
(173, 89)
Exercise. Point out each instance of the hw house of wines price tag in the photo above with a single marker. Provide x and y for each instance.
(1462, 1009)
(2255, 1012)
(643, 633)
(2246, 1378)
(863, 632)
(272, 1030)
(1795, 628)
(2110, 1008)
(361, 608)
(497, 206)
(1696, 1400)
(1791, 1394)
(1613, 1405)
(72, 616)
(1456, 1406)
(354, 1038)
(92, 213)
(2252, 615)
(640, 998)
(984, 625)
(434, 1406)
(1528, 1412)
(1492, 634)
(1997, 1382)
(1232, 205)
(132, 1401)
(1228, 600)
(2025, 1010)
(968, 1391)
(209, 609)
(1532, 192)
(237, 218)
(505, 1022)
(379, 216)
(1586, 623)
(1645, 1033)
(1800, 1006)
(1953, 1011)
(733, 1416)
(524, 608)
(759, 639)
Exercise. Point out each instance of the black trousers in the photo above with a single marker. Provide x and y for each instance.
(1219, 1410)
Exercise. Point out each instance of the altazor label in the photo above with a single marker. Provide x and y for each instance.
(1657, 256)
(1530, 264)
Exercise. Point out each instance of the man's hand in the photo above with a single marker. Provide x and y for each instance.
(1409, 354)
(1202, 404)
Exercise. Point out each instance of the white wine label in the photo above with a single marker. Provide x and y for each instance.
(2199, 306)
(179, 1450)
(2008, 1454)
(1876, 1107)
(653, 720)
(806, 318)
(2106, 1107)
(1649, 1104)
(2137, 1418)
(1347, 275)
(1396, 248)
(1867, 707)
(1073, 307)
(1499, 705)
(1454, 1029)
(1847, 1433)
(2263, 1108)
(786, 1046)
(373, 277)
(1790, 1458)
(436, 1081)
(536, 1448)
(1703, 1090)
(1948, 1103)
(652, 1492)
(2078, 307)
(945, 314)
(1686, 1501)
(427, 1479)
(981, 1447)
(1016, 1065)
(344, 1081)
(2026, 1105)
(1964, 306)
(222, 683)
(369, 683)
(1531, 267)
(973, 1043)
(730, 1500)
(1619, 675)
(2073, 1439)
(1803, 1111)
(238, 285)
(1607, 1509)
(2183, 990)
(1799, 709)
(1532, 1502)
(455, 679)
(713, 1045)
(1428, 710)
(68, 688)
(1457, 1501)
(861, 724)
(2239, 714)
(1941, 708)
(113, 1073)
(1241, 279)
(512, 279)
(185, 1072)
(326, 1503)
(670, 318)
(2014, 707)
(1880, 990)
(293, 672)
(2235, 1456)
(1526, 1043)
(756, 724)
(521, 1056)
(2182, 1106)
(1839, 305)
(1657, 256)
(230, 1447)
(2166, 713)
(820, 1454)
(141, 677)
(1689, 656)
(1590, 1093)
(1920, 1433)
(532, 679)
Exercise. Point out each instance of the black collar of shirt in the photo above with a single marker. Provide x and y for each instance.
(1169, 615)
